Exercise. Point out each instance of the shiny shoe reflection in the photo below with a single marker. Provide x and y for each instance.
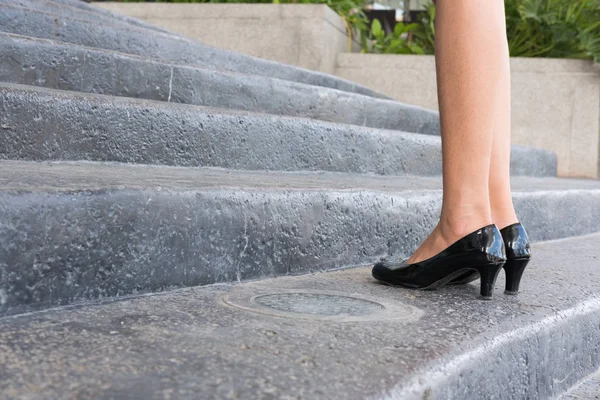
(481, 251)
(518, 254)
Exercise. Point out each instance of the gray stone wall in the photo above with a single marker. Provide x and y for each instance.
(305, 35)
(555, 102)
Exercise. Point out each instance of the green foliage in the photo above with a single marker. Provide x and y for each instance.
(354, 17)
(535, 28)
(415, 38)
(554, 28)
(425, 32)
(398, 42)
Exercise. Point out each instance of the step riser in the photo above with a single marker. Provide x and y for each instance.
(60, 248)
(61, 66)
(68, 126)
(106, 129)
(148, 43)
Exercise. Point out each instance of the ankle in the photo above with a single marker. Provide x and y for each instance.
(504, 215)
(501, 205)
(456, 225)
(505, 220)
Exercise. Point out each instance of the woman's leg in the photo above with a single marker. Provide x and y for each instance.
(503, 210)
(470, 55)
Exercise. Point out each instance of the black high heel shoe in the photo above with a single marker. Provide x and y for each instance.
(518, 254)
(481, 251)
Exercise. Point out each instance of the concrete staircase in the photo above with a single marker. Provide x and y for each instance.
(96, 28)
(135, 161)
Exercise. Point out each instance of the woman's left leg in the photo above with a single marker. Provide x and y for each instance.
(470, 54)
(501, 204)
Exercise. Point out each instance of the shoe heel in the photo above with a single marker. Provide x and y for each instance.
(488, 274)
(513, 270)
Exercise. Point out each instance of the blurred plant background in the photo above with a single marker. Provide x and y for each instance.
(554, 28)
(535, 28)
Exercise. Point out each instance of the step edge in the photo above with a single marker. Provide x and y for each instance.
(442, 379)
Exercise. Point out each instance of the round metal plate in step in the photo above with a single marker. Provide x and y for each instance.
(321, 305)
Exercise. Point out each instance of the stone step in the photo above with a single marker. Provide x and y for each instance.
(131, 39)
(45, 124)
(58, 65)
(284, 338)
(81, 10)
(587, 389)
(71, 232)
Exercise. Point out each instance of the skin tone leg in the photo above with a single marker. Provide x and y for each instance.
(501, 204)
(471, 56)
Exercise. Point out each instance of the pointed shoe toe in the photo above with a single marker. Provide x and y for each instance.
(380, 270)
(394, 274)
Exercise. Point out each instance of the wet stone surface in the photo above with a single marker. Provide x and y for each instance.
(319, 304)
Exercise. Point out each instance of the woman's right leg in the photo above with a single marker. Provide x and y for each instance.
(470, 49)
(503, 210)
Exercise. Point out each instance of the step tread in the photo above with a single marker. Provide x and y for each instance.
(188, 342)
(108, 72)
(80, 175)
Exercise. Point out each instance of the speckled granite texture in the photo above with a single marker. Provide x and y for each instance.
(77, 126)
(265, 171)
(77, 26)
(76, 231)
(59, 65)
(190, 344)
(587, 389)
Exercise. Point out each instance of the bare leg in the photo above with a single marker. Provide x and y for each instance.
(470, 55)
(503, 211)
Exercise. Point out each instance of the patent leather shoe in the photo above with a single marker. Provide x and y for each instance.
(481, 251)
(518, 254)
